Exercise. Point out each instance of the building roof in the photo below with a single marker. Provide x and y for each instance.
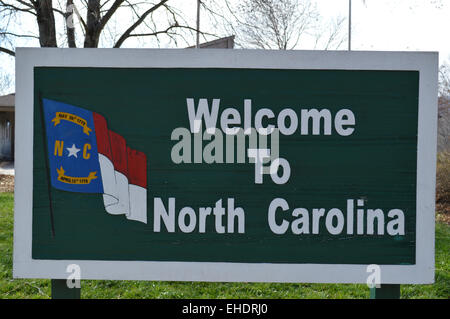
(7, 102)
(223, 43)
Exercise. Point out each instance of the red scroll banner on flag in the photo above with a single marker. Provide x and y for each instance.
(124, 174)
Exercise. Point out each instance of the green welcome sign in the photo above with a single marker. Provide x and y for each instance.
(225, 165)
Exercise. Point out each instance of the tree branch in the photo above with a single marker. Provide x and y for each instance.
(59, 11)
(64, 14)
(15, 8)
(7, 51)
(168, 29)
(25, 3)
(19, 35)
(127, 33)
(110, 13)
(83, 23)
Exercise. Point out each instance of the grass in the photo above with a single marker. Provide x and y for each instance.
(26, 288)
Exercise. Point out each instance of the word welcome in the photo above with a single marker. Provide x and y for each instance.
(265, 121)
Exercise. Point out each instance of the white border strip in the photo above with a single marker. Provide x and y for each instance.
(424, 62)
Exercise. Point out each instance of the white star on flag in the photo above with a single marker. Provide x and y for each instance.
(73, 151)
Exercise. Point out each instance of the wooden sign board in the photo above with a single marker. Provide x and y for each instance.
(225, 165)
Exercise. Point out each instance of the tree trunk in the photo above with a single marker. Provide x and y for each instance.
(70, 29)
(46, 23)
(93, 24)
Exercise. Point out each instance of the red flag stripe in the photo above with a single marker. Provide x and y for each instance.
(119, 152)
(101, 131)
(137, 168)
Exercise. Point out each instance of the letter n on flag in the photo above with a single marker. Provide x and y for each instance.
(86, 157)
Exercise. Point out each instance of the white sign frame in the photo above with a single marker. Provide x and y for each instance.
(424, 62)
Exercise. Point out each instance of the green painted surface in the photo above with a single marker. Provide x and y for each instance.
(61, 291)
(385, 292)
(376, 163)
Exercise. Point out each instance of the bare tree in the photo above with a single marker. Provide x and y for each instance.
(444, 80)
(276, 24)
(444, 109)
(5, 82)
(329, 36)
(84, 23)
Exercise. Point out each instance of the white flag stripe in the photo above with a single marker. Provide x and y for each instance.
(123, 204)
(138, 203)
(119, 197)
(110, 196)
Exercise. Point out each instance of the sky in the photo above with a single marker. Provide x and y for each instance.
(381, 25)
(401, 25)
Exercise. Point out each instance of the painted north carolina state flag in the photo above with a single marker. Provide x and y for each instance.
(86, 156)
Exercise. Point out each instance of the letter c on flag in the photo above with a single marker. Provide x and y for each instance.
(86, 147)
